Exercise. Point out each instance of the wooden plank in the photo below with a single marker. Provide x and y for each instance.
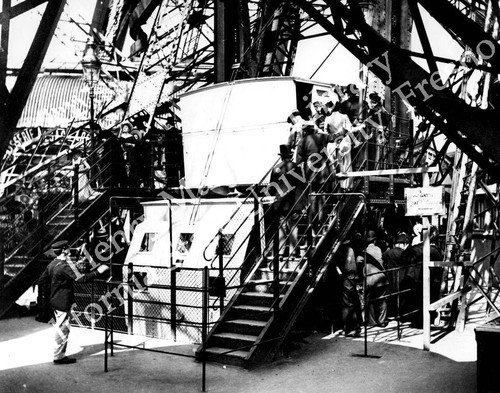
(450, 263)
(387, 172)
(445, 300)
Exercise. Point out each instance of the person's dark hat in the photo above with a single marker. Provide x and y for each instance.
(370, 236)
(285, 151)
(375, 98)
(308, 126)
(294, 113)
(60, 245)
(401, 238)
(352, 89)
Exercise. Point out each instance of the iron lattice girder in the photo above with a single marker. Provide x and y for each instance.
(13, 102)
(473, 130)
(465, 30)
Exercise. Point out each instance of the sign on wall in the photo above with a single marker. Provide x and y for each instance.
(424, 201)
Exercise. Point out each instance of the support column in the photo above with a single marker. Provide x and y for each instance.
(426, 276)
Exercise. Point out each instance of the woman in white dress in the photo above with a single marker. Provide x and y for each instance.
(337, 125)
(85, 191)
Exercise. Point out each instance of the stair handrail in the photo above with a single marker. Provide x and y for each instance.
(305, 192)
(60, 199)
(250, 194)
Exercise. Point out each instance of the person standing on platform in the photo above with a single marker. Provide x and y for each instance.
(376, 282)
(60, 275)
(378, 130)
(82, 168)
(337, 125)
(311, 154)
(319, 115)
(351, 307)
(356, 110)
(295, 136)
(413, 257)
(393, 262)
(289, 193)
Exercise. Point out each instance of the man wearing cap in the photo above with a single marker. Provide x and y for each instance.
(61, 274)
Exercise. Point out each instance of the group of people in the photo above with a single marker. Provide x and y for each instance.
(320, 145)
(393, 281)
(351, 133)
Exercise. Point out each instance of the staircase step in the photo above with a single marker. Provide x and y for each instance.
(257, 298)
(267, 274)
(233, 340)
(227, 356)
(244, 326)
(250, 312)
(220, 350)
(265, 285)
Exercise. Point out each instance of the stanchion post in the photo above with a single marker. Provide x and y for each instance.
(76, 171)
(365, 307)
(204, 329)
(92, 311)
(398, 304)
(276, 268)
(426, 276)
(173, 303)
(106, 340)
(130, 300)
(221, 271)
(365, 302)
(426, 284)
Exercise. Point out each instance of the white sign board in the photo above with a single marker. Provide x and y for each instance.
(424, 201)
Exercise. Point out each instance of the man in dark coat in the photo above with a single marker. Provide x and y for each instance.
(312, 155)
(288, 187)
(61, 274)
(351, 307)
(377, 127)
(393, 262)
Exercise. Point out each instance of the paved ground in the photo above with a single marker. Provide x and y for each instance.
(319, 364)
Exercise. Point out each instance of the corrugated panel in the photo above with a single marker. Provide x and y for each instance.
(56, 100)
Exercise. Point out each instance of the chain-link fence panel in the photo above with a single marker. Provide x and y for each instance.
(151, 301)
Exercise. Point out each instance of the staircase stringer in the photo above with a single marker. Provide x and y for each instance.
(30, 273)
(307, 293)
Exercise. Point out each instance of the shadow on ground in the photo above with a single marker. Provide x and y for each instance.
(314, 364)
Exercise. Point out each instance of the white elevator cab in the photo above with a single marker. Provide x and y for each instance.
(182, 233)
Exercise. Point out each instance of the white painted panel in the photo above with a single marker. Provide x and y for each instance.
(241, 125)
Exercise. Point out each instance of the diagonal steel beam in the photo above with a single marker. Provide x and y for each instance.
(465, 29)
(13, 103)
(21, 8)
(473, 130)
